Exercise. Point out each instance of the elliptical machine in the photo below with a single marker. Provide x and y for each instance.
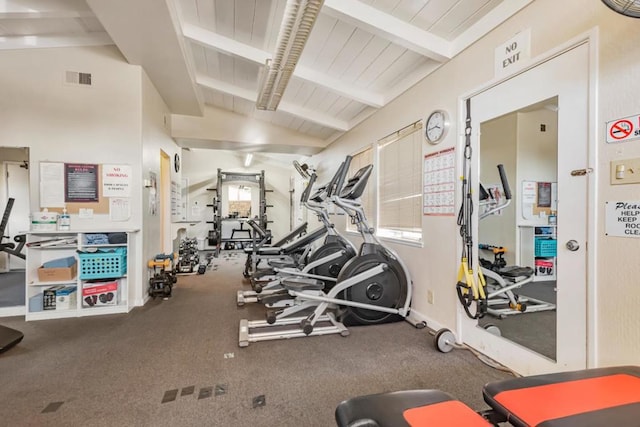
(324, 264)
(373, 287)
(502, 301)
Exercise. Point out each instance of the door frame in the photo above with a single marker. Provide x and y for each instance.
(592, 40)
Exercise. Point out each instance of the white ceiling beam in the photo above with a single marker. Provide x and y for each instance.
(389, 27)
(47, 14)
(211, 40)
(340, 87)
(285, 107)
(59, 40)
(488, 22)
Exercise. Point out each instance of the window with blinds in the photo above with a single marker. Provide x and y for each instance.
(360, 160)
(400, 184)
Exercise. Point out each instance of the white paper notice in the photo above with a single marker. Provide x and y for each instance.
(51, 185)
(85, 213)
(119, 209)
(116, 181)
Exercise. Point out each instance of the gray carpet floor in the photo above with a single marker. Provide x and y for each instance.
(533, 330)
(12, 288)
(117, 370)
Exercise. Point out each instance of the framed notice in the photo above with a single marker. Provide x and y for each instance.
(81, 183)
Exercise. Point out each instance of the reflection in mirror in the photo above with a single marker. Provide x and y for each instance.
(239, 201)
(516, 233)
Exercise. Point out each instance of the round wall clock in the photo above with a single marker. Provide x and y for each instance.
(436, 126)
(176, 162)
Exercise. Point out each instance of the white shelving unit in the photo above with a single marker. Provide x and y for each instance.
(61, 244)
(528, 258)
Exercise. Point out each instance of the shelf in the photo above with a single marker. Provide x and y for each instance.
(38, 255)
(54, 247)
(104, 245)
(61, 282)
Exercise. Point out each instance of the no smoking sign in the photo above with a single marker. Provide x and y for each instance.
(624, 129)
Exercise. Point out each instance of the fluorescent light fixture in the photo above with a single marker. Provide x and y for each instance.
(299, 17)
(248, 159)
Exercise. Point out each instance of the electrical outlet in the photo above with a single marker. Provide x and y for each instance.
(625, 171)
(430, 297)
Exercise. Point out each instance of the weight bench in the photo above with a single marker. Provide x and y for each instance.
(586, 398)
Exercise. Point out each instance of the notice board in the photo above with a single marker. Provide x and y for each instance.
(74, 186)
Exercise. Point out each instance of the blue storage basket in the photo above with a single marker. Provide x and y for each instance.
(546, 247)
(103, 264)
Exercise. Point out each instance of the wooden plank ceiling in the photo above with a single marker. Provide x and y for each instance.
(361, 54)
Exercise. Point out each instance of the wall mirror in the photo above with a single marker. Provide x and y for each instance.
(517, 244)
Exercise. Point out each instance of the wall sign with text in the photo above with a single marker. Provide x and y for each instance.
(622, 219)
(80, 183)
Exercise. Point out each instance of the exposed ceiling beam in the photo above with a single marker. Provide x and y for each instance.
(47, 9)
(211, 40)
(285, 107)
(340, 87)
(159, 49)
(488, 22)
(59, 40)
(45, 14)
(389, 27)
(211, 144)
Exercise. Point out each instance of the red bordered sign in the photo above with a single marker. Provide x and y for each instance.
(624, 129)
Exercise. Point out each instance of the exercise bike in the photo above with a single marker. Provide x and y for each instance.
(502, 301)
(373, 287)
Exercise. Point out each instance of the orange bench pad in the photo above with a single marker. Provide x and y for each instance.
(537, 404)
(450, 413)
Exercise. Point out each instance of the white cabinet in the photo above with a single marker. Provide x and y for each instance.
(538, 250)
(100, 285)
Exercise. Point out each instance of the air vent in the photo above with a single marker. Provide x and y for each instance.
(75, 78)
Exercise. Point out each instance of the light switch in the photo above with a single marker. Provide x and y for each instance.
(625, 171)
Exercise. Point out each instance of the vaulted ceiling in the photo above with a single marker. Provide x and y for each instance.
(205, 56)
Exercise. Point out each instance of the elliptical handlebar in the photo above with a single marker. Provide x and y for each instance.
(307, 191)
(342, 175)
(507, 195)
(505, 182)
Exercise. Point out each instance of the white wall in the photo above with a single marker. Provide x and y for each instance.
(498, 146)
(101, 124)
(155, 138)
(552, 23)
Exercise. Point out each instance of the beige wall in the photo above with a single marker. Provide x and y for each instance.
(498, 146)
(552, 23)
(155, 138)
(107, 123)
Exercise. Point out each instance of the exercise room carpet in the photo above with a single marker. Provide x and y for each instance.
(12, 288)
(117, 370)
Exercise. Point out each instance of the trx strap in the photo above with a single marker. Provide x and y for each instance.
(468, 289)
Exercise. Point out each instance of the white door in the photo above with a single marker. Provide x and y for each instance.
(565, 78)
(18, 188)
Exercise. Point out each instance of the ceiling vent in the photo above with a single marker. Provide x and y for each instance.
(75, 78)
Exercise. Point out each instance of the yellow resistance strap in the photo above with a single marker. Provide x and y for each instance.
(470, 290)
